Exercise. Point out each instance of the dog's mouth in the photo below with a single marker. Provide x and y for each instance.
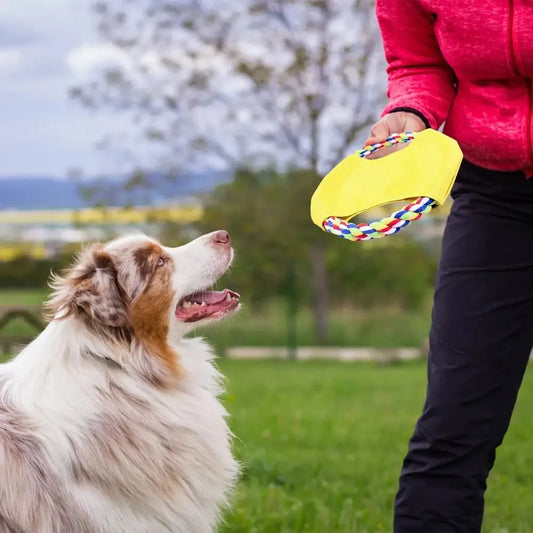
(206, 304)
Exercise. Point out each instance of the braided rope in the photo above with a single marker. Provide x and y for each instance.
(386, 226)
(395, 138)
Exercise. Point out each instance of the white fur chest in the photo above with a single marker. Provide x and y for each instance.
(170, 464)
(135, 458)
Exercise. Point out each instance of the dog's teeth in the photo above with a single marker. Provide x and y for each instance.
(186, 304)
(195, 304)
(203, 304)
(228, 297)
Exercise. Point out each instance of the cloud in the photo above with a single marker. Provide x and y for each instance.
(10, 61)
(84, 60)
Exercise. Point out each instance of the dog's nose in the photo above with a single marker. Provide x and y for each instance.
(221, 237)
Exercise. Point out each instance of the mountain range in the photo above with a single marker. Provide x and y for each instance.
(43, 192)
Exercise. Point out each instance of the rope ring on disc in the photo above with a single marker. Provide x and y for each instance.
(366, 231)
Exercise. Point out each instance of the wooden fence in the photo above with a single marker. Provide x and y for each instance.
(31, 314)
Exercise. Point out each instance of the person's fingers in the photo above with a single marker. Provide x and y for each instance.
(394, 123)
(378, 132)
(389, 124)
(382, 152)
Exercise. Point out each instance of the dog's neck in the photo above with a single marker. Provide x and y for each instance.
(68, 352)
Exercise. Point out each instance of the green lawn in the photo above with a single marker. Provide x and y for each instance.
(389, 327)
(267, 326)
(18, 328)
(322, 443)
(22, 296)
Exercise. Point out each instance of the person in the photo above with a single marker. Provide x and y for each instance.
(469, 65)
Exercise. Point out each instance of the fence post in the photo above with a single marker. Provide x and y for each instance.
(292, 311)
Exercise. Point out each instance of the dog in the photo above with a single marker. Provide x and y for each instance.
(110, 419)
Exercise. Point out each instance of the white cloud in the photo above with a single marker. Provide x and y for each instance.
(10, 61)
(84, 60)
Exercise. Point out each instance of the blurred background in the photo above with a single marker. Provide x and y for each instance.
(178, 117)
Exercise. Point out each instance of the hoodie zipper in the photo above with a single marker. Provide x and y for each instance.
(516, 71)
(529, 120)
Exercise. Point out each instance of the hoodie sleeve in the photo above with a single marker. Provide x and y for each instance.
(419, 79)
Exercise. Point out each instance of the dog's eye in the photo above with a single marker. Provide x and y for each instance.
(161, 262)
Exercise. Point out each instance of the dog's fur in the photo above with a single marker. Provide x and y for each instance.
(109, 420)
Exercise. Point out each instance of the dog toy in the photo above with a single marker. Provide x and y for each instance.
(422, 173)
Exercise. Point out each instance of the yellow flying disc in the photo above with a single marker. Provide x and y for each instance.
(422, 173)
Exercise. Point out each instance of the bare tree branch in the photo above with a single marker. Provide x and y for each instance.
(303, 68)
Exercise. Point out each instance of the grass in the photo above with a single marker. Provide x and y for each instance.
(22, 296)
(18, 328)
(390, 327)
(322, 444)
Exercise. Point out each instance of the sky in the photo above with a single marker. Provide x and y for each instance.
(45, 47)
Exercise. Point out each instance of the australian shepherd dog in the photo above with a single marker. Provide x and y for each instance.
(110, 419)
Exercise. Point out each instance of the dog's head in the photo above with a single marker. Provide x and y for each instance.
(136, 290)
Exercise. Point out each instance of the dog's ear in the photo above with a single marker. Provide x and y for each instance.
(90, 288)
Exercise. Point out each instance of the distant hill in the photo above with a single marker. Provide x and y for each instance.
(30, 193)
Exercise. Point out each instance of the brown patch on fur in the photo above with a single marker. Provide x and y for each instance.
(145, 259)
(90, 290)
(149, 319)
(5, 527)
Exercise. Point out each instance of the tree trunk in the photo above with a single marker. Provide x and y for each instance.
(320, 287)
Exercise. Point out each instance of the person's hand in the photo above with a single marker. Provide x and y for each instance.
(398, 122)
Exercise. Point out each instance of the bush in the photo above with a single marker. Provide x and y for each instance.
(29, 273)
(267, 214)
(381, 273)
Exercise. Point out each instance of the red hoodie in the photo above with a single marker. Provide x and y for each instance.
(470, 64)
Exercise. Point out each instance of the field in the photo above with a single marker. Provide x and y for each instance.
(321, 443)
(268, 326)
(93, 215)
(117, 216)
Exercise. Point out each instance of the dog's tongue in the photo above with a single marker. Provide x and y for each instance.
(208, 297)
(204, 304)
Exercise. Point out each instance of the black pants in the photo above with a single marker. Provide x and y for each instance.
(480, 341)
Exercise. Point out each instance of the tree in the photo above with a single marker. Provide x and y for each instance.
(280, 83)
(274, 238)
